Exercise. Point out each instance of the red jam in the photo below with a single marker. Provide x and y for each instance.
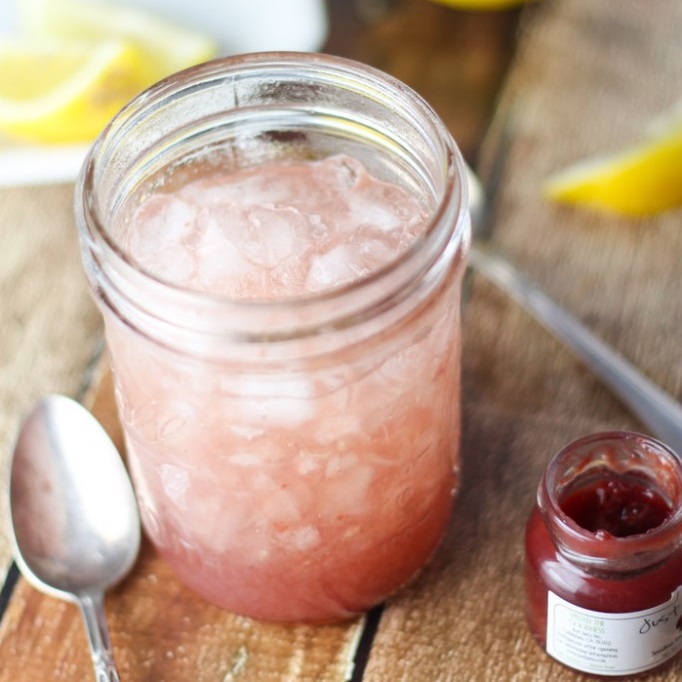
(606, 538)
(617, 504)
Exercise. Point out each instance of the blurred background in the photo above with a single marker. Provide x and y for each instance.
(455, 58)
(454, 52)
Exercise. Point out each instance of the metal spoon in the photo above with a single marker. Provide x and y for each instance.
(654, 407)
(75, 525)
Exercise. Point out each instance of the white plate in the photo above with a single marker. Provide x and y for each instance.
(38, 165)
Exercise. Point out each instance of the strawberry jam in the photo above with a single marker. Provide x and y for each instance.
(620, 505)
(604, 555)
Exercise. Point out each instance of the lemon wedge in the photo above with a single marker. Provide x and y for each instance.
(63, 92)
(80, 61)
(642, 180)
(165, 46)
(483, 5)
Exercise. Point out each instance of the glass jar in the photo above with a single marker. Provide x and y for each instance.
(295, 459)
(604, 555)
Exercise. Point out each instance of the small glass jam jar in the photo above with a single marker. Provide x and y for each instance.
(604, 555)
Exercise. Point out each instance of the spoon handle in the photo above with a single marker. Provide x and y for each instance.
(655, 408)
(92, 608)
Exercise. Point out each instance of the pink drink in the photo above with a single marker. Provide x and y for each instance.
(277, 244)
(290, 495)
(275, 231)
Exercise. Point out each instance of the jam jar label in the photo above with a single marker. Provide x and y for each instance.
(613, 643)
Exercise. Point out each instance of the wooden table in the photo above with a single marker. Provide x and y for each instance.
(586, 78)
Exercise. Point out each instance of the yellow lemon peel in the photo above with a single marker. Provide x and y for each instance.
(483, 5)
(165, 46)
(642, 180)
(64, 92)
(80, 61)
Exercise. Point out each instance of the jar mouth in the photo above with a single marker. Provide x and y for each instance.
(444, 173)
(619, 452)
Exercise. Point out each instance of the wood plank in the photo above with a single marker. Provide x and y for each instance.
(588, 77)
(456, 59)
(50, 327)
(162, 631)
(49, 324)
(524, 397)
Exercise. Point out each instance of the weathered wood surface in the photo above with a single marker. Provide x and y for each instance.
(50, 331)
(48, 325)
(588, 77)
(160, 630)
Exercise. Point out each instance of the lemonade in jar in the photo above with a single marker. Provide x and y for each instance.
(277, 243)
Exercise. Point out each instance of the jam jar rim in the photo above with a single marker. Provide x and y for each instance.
(626, 553)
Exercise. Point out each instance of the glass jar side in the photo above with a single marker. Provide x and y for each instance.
(597, 572)
(255, 109)
(304, 494)
(294, 459)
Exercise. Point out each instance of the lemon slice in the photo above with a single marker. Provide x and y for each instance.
(165, 47)
(483, 5)
(59, 92)
(643, 180)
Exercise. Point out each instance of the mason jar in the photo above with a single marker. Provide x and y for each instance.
(604, 555)
(295, 457)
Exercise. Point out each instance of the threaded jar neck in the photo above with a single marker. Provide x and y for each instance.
(253, 109)
(635, 457)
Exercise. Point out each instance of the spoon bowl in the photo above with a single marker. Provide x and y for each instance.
(75, 525)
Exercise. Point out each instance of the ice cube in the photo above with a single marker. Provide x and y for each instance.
(279, 507)
(160, 223)
(379, 217)
(174, 265)
(301, 539)
(175, 483)
(338, 427)
(244, 188)
(346, 493)
(221, 264)
(373, 254)
(248, 460)
(410, 370)
(317, 228)
(271, 234)
(337, 464)
(285, 402)
(220, 522)
(246, 432)
(308, 462)
(331, 269)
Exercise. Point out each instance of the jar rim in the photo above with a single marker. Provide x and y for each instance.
(452, 203)
(588, 548)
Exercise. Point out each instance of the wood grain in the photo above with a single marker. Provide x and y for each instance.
(48, 323)
(587, 77)
(160, 631)
(49, 328)
(455, 59)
